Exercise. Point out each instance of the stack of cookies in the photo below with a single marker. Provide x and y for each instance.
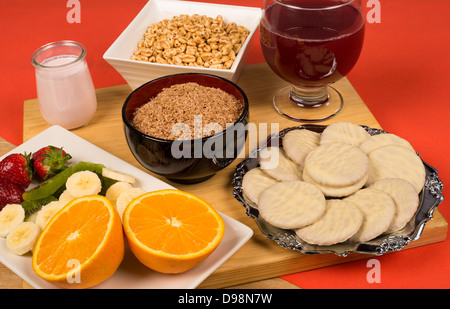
(341, 185)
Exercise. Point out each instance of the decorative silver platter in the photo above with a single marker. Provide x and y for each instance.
(429, 199)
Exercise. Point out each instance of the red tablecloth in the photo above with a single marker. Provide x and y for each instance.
(402, 76)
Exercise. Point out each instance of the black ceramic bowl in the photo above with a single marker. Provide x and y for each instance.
(188, 161)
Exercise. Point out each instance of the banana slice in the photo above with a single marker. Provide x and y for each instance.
(65, 197)
(119, 176)
(23, 237)
(47, 212)
(10, 216)
(126, 197)
(116, 189)
(83, 183)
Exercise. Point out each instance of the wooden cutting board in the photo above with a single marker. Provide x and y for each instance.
(260, 258)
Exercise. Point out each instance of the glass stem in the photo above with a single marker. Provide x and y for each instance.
(309, 96)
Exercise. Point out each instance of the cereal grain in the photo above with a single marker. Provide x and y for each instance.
(187, 111)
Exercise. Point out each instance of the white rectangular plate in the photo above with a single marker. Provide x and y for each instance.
(131, 273)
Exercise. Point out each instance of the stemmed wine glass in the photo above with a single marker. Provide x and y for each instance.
(311, 44)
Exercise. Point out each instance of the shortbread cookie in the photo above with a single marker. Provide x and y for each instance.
(405, 198)
(344, 132)
(275, 162)
(291, 204)
(298, 143)
(340, 222)
(379, 140)
(330, 191)
(336, 164)
(378, 210)
(394, 161)
(254, 182)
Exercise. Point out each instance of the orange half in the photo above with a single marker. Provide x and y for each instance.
(82, 245)
(172, 231)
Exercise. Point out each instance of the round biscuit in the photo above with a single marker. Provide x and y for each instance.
(395, 161)
(344, 132)
(336, 164)
(405, 198)
(254, 182)
(378, 210)
(291, 204)
(379, 140)
(275, 162)
(298, 143)
(340, 222)
(337, 191)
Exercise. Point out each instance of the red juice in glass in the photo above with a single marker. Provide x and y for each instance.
(311, 47)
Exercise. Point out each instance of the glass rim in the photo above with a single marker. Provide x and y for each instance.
(299, 7)
(48, 46)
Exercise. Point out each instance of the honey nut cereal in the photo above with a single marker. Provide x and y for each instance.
(196, 40)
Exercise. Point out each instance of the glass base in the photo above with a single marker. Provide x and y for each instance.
(69, 128)
(294, 110)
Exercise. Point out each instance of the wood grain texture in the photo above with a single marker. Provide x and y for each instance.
(259, 258)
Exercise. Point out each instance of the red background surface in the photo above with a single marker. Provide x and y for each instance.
(402, 76)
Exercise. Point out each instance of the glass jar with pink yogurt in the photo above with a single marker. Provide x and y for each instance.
(65, 89)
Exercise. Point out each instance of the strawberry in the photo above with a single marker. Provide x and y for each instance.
(49, 161)
(10, 193)
(16, 168)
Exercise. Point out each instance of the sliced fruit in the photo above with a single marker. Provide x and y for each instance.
(172, 231)
(126, 197)
(47, 212)
(49, 161)
(10, 193)
(86, 233)
(31, 217)
(116, 189)
(119, 176)
(23, 237)
(52, 185)
(16, 168)
(32, 207)
(83, 183)
(106, 183)
(10, 216)
(65, 197)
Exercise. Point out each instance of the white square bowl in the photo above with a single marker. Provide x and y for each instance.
(137, 72)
